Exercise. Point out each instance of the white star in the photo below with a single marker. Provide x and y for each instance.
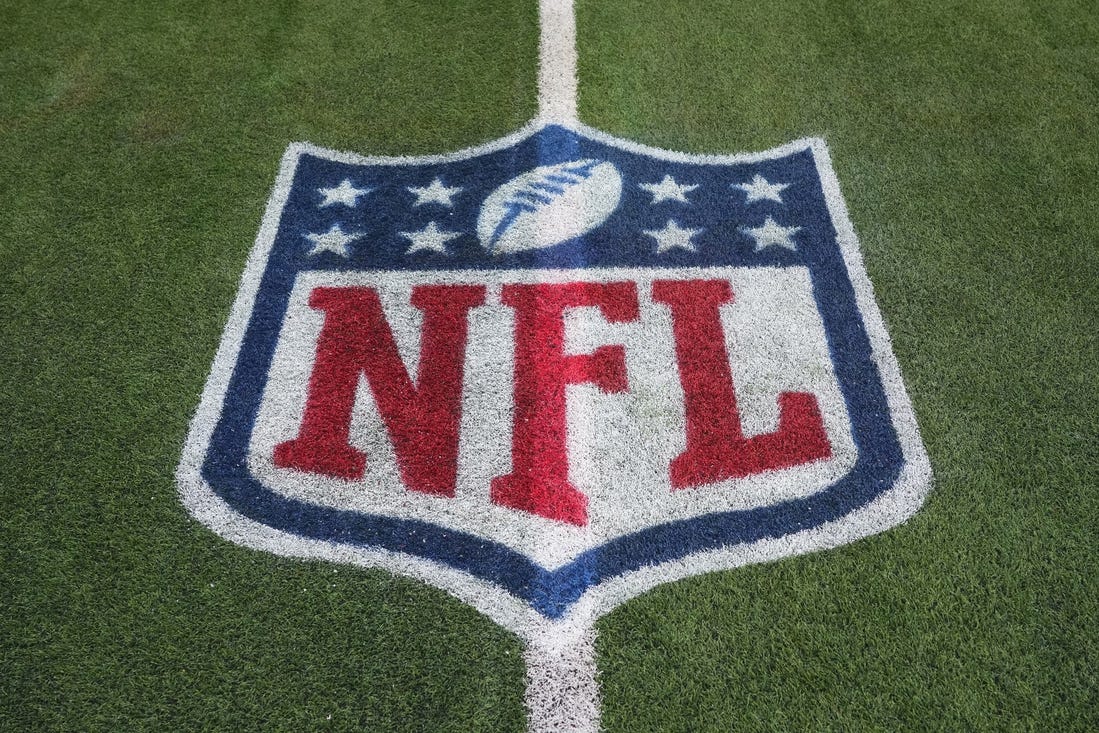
(430, 238)
(673, 236)
(668, 190)
(772, 234)
(345, 194)
(760, 189)
(334, 240)
(436, 193)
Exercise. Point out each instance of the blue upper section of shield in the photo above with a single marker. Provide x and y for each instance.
(717, 208)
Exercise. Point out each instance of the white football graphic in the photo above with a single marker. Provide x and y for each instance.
(549, 205)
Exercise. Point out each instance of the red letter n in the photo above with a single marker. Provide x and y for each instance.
(422, 419)
(716, 446)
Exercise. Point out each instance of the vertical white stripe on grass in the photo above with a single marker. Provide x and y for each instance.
(562, 687)
(557, 62)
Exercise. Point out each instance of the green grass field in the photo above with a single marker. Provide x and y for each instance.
(138, 144)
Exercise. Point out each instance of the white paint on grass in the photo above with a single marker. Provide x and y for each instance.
(429, 239)
(562, 692)
(669, 190)
(346, 194)
(435, 193)
(335, 240)
(548, 205)
(772, 234)
(760, 189)
(619, 445)
(557, 62)
(672, 236)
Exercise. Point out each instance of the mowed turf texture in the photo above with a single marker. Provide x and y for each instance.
(138, 144)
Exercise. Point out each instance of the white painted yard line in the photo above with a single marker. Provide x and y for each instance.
(562, 686)
(557, 62)
(562, 694)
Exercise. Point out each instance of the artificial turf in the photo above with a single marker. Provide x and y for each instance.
(138, 143)
(965, 137)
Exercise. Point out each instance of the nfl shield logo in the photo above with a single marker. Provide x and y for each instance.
(552, 372)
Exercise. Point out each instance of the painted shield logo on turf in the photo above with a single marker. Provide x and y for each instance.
(552, 372)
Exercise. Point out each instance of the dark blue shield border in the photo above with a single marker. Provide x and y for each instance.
(218, 488)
